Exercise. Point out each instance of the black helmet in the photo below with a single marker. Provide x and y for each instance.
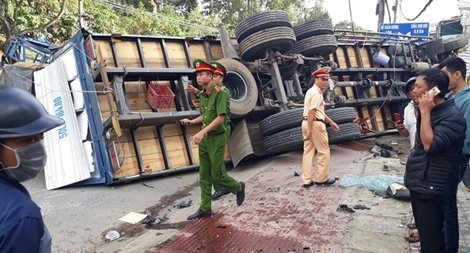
(21, 114)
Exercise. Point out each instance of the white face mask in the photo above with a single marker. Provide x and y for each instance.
(31, 160)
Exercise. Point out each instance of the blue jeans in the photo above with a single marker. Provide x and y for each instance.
(451, 215)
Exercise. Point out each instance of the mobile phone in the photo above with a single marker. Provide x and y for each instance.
(397, 117)
(434, 91)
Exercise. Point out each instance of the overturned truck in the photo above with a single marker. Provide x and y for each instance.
(122, 96)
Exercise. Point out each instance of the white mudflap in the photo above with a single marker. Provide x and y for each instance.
(70, 156)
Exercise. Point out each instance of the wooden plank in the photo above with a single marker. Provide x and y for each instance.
(196, 49)
(352, 57)
(378, 118)
(216, 50)
(153, 54)
(128, 53)
(365, 58)
(152, 158)
(105, 53)
(176, 54)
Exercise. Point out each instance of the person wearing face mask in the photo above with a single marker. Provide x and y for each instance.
(23, 121)
(435, 159)
(314, 131)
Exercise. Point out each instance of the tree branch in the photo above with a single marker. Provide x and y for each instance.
(15, 12)
(51, 22)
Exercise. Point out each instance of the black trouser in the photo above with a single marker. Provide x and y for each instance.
(429, 218)
(451, 214)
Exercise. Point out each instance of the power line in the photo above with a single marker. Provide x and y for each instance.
(163, 18)
(419, 14)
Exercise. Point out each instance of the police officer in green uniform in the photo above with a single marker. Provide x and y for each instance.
(218, 79)
(215, 118)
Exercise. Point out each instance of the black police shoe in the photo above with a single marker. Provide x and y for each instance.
(219, 194)
(241, 195)
(199, 214)
(306, 186)
(327, 182)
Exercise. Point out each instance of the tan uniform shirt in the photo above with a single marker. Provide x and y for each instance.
(314, 100)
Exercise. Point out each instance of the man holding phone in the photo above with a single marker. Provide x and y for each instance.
(432, 163)
(407, 127)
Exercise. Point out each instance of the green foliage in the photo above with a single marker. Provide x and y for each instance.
(175, 18)
(348, 25)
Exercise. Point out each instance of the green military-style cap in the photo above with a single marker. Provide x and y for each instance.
(219, 68)
(201, 65)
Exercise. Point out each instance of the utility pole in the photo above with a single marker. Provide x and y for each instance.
(80, 13)
(380, 11)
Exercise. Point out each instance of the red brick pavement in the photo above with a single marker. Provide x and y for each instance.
(278, 214)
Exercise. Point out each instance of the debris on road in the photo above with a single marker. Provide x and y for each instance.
(373, 183)
(361, 207)
(149, 186)
(112, 235)
(296, 174)
(133, 218)
(183, 204)
(343, 207)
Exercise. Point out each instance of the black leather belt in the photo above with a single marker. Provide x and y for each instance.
(214, 133)
(323, 121)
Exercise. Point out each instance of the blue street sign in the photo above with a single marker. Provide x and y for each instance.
(409, 29)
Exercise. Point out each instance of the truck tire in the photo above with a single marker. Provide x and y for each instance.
(261, 21)
(254, 46)
(293, 118)
(456, 43)
(281, 121)
(313, 27)
(242, 86)
(346, 132)
(292, 139)
(285, 141)
(341, 115)
(322, 45)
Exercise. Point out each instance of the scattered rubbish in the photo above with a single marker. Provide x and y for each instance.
(149, 186)
(361, 207)
(384, 146)
(161, 220)
(382, 194)
(183, 204)
(394, 143)
(220, 226)
(112, 235)
(273, 189)
(374, 183)
(296, 174)
(388, 168)
(343, 207)
(158, 234)
(399, 191)
(133, 217)
(400, 225)
(273, 224)
(148, 221)
(385, 153)
(336, 178)
(175, 225)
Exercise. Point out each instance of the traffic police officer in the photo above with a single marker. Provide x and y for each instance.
(314, 132)
(23, 121)
(215, 118)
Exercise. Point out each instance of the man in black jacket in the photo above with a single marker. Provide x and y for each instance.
(436, 157)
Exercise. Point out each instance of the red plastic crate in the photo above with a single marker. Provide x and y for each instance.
(160, 96)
